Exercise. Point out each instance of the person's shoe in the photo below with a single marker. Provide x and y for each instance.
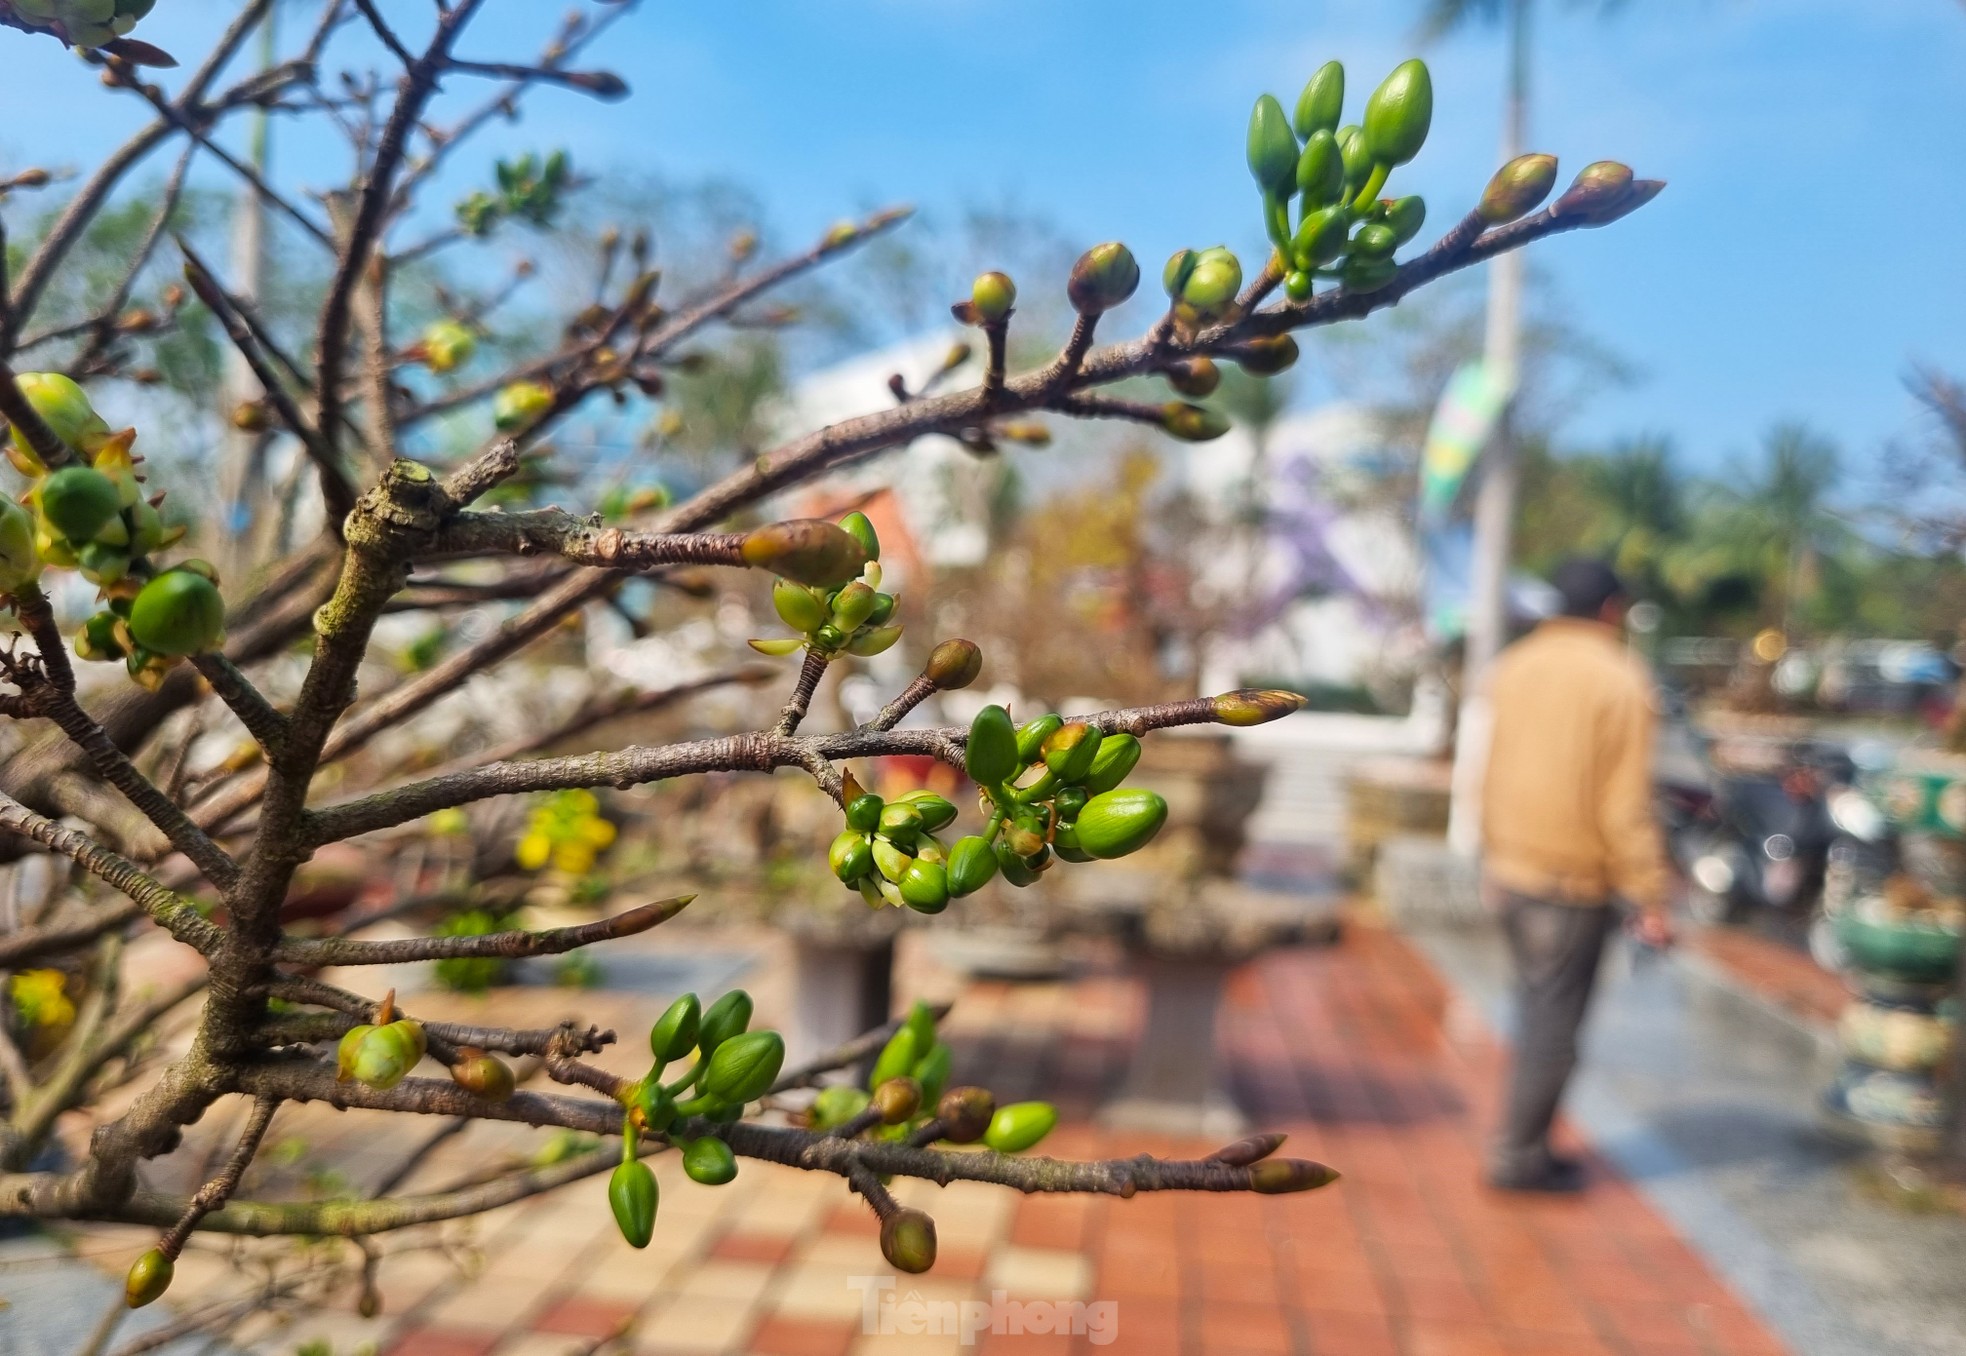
(1555, 1176)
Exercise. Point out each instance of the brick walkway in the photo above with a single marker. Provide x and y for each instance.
(1356, 1050)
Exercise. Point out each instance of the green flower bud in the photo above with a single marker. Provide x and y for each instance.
(901, 821)
(1069, 751)
(797, 606)
(908, 1240)
(448, 345)
(1368, 275)
(674, 1032)
(1321, 237)
(891, 861)
(1118, 753)
(1025, 835)
(744, 1066)
(1352, 149)
(1016, 871)
(883, 609)
(850, 856)
(1192, 423)
(878, 640)
(380, 1057)
(1180, 267)
(1069, 801)
(1214, 281)
(971, 864)
(79, 501)
(96, 638)
(852, 605)
(64, 407)
(1323, 101)
(965, 1114)
(835, 1105)
(1399, 113)
(1104, 277)
(953, 665)
(726, 1017)
(632, 1198)
(1120, 821)
(103, 565)
(829, 638)
(709, 1161)
(149, 1277)
(921, 1020)
(806, 550)
(483, 1075)
(1254, 706)
(897, 1058)
(20, 563)
(898, 1099)
(521, 405)
(1406, 216)
(935, 811)
(1297, 285)
(1267, 355)
(1032, 734)
(1065, 842)
(992, 755)
(992, 296)
(1195, 377)
(925, 887)
(932, 1071)
(864, 813)
(857, 526)
(1272, 147)
(1321, 170)
(1374, 240)
(1598, 187)
(1517, 188)
(178, 613)
(1280, 1176)
(1019, 1126)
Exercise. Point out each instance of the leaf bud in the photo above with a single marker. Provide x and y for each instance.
(1399, 113)
(908, 1240)
(1267, 355)
(897, 1100)
(482, 1074)
(965, 1114)
(954, 664)
(149, 1277)
(1517, 189)
(1254, 706)
(1598, 187)
(1194, 377)
(1280, 1176)
(1252, 1149)
(991, 297)
(1104, 277)
(1193, 423)
(1272, 147)
(805, 550)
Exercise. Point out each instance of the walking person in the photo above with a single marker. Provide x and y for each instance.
(1568, 833)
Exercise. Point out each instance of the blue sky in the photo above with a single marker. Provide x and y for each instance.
(1807, 252)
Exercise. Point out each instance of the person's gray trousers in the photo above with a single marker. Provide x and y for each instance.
(1556, 948)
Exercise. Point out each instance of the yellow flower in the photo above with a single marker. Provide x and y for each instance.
(41, 998)
(533, 850)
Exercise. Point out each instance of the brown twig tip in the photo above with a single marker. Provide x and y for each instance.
(1254, 706)
(1281, 1176)
(1250, 1150)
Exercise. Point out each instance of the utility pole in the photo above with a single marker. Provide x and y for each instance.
(1501, 473)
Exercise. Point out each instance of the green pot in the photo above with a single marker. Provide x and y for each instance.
(1920, 954)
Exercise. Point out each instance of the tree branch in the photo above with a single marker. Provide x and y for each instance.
(508, 945)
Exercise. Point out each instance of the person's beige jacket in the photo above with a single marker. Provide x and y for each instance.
(1566, 805)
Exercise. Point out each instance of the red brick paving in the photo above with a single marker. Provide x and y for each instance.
(1781, 974)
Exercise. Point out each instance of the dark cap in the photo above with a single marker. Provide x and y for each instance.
(1586, 585)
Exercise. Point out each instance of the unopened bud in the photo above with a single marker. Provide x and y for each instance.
(1193, 423)
(1105, 276)
(908, 1240)
(148, 1279)
(991, 297)
(601, 84)
(482, 1075)
(1399, 113)
(1267, 355)
(1517, 189)
(1280, 1176)
(1254, 706)
(250, 416)
(1196, 377)
(1598, 187)
(953, 664)
(897, 1100)
(965, 1114)
(30, 178)
(805, 550)
(1272, 147)
(1246, 1151)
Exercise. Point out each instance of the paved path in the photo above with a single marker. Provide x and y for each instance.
(1358, 1050)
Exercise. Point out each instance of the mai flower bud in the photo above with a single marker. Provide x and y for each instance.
(991, 297)
(20, 562)
(858, 526)
(1272, 147)
(1104, 277)
(908, 1240)
(1399, 113)
(709, 1161)
(482, 1075)
(897, 1100)
(1180, 265)
(1193, 423)
(148, 1279)
(79, 501)
(1252, 706)
(1196, 377)
(178, 613)
(1405, 216)
(1598, 187)
(1213, 282)
(1517, 189)
(1321, 237)
(1020, 1126)
(1320, 170)
(1121, 821)
(744, 1066)
(797, 606)
(1280, 1176)
(1323, 101)
(1267, 355)
(852, 605)
(806, 551)
(965, 1114)
(521, 405)
(954, 664)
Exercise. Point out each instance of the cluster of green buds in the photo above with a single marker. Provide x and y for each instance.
(382, 1053)
(528, 189)
(93, 517)
(734, 1066)
(566, 829)
(889, 851)
(79, 23)
(1343, 230)
(852, 616)
(907, 1099)
(1050, 790)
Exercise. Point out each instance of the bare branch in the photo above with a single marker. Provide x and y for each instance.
(508, 945)
(247, 702)
(580, 540)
